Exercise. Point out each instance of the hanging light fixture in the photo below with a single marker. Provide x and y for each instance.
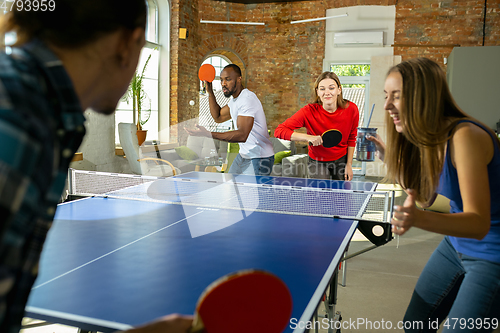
(232, 22)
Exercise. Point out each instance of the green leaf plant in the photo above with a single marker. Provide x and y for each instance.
(139, 97)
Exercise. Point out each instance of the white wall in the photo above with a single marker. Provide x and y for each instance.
(360, 18)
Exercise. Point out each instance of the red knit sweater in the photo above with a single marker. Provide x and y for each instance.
(317, 120)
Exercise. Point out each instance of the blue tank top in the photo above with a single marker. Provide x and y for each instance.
(489, 247)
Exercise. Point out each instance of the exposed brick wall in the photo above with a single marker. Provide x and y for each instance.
(492, 23)
(174, 66)
(280, 61)
(432, 28)
(184, 64)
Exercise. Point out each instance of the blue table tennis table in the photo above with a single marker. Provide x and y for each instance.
(112, 263)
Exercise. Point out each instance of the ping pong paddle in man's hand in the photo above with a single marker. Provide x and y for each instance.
(206, 73)
(331, 138)
(244, 301)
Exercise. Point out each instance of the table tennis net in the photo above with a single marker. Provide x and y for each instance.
(296, 200)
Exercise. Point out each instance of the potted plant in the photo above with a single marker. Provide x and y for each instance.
(139, 98)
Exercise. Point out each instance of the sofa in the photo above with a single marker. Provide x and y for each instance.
(184, 158)
(287, 162)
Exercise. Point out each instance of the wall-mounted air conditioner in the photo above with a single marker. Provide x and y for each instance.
(358, 38)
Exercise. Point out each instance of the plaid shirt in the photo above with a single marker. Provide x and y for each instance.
(41, 127)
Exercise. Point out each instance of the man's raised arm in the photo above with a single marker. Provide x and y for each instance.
(219, 114)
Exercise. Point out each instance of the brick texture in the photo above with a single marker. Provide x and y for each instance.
(432, 28)
(184, 84)
(280, 61)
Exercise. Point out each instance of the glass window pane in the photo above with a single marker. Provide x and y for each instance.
(151, 76)
(152, 126)
(352, 77)
(151, 71)
(356, 93)
(150, 84)
(351, 70)
(124, 105)
(357, 96)
(151, 23)
(151, 88)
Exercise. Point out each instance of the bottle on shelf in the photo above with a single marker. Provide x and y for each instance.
(214, 157)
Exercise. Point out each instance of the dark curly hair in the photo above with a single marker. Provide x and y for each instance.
(75, 23)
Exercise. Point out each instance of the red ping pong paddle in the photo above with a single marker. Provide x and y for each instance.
(244, 301)
(206, 73)
(331, 138)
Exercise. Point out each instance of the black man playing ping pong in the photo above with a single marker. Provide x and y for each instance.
(332, 126)
(256, 154)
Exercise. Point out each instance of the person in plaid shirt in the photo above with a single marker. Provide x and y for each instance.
(55, 71)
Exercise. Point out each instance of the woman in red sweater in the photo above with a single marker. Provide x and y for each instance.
(328, 111)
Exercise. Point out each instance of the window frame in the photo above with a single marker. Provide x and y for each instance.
(151, 45)
(344, 80)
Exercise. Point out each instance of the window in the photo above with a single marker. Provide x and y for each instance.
(355, 81)
(150, 108)
(219, 63)
(351, 70)
(152, 22)
(205, 118)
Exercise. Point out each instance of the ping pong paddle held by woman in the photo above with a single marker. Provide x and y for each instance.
(331, 138)
(245, 301)
(206, 73)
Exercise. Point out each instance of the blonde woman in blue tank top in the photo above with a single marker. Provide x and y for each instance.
(435, 147)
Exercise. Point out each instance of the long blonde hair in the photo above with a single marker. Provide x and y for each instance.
(341, 102)
(415, 157)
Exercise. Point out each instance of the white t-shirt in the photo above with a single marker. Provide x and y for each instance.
(258, 144)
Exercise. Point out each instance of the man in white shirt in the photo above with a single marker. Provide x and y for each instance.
(256, 155)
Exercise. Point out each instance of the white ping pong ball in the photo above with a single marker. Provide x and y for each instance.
(191, 102)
